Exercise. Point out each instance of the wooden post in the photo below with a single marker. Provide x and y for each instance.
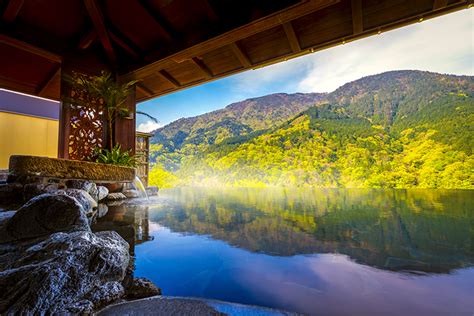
(64, 122)
(124, 129)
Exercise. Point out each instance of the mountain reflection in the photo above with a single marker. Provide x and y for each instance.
(415, 230)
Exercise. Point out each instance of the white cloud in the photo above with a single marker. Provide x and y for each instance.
(148, 126)
(444, 44)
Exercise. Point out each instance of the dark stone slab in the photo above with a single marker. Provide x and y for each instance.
(32, 166)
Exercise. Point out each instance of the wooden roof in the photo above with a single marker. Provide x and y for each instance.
(174, 44)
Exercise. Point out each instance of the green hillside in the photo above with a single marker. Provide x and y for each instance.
(399, 129)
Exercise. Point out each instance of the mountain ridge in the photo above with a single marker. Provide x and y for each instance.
(391, 110)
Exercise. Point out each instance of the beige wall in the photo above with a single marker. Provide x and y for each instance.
(26, 135)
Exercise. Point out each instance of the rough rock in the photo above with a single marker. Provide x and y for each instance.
(115, 203)
(66, 273)
(102, 210)
(89, 187)
(131, 193)
(102, 192)
(43, 215)
(11, 193)
(88, 203)
(5, 216)
(116, 196)
(31, 190)
(141, 288)
(68, 169)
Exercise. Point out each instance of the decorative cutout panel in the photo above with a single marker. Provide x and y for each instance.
(86, 125)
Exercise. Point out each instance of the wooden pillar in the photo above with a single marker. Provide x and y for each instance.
(64, 124)
(124, 129)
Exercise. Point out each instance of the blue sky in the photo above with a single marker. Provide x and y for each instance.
(444, 45)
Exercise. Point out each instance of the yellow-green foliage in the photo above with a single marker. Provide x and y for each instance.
(161, 178)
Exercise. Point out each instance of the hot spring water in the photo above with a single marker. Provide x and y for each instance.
(138, 185)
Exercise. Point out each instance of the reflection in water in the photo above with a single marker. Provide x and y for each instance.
(312, 251)
(130, 221)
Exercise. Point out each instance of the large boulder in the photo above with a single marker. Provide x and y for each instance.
(43, 215)
(73, 272)
(85, 199)
(5, 216)
(103, 192)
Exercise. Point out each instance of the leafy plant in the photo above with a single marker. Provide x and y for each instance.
(112, 93)
(115, 156)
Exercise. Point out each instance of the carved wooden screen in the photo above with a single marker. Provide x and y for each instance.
(86, 130)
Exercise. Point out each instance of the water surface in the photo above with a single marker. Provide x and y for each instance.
(321, 252)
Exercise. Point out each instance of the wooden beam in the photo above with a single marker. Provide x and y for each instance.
(211, 14)
(98, 20)
(167, 29)
(357, 21)
(29, 48)
(87, 39)
(293, 12)
(144, 89)
(292, 38)
(122, 43)
(56, 75)
(439, 4)
(12, 10)
(240, 54)
(168, 77)
(204, 69)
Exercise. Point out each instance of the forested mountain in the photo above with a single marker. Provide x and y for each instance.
(396, 129)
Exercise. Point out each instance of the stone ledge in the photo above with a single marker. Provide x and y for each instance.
(44, 167)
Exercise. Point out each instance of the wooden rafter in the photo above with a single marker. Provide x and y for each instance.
(122, 43)
(99, 24)
(12, 10)
(439, 4)
(29, 48)
(204, 69)
(292, 38)
(168, 77)
(357, 22)
(168, 31)
(260, 25)
(144, 89)
(87, 39)
(211, 14)
(55, 75)
(241, 55)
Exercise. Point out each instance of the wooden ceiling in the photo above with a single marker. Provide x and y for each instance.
(170, 45)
